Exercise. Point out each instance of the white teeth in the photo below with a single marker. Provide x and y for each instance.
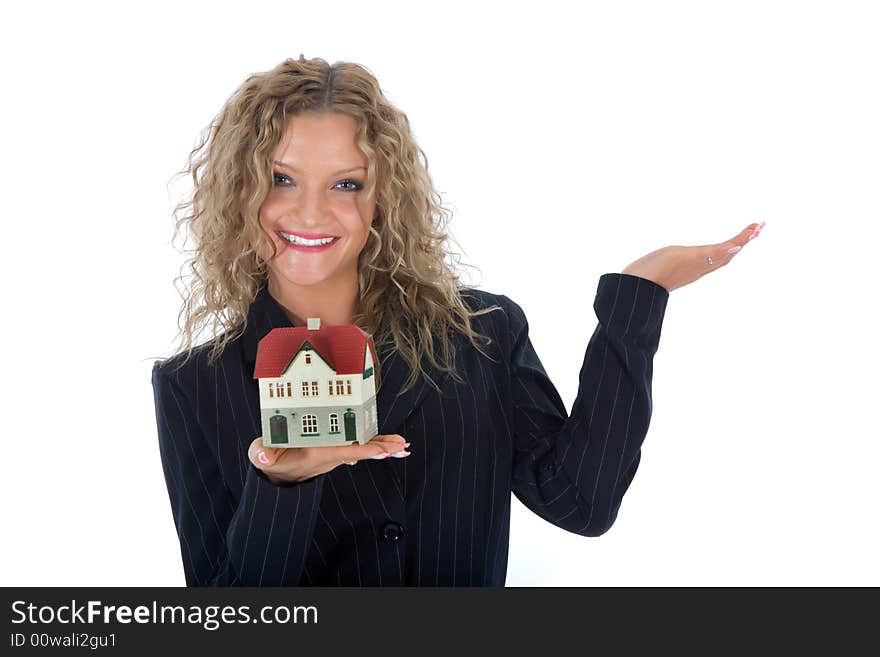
(304, 242)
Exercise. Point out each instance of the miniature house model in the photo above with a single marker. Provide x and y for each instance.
(317, 385)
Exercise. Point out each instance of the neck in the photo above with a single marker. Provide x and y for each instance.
(335, 302)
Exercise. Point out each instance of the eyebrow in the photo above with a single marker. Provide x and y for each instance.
(292, 168)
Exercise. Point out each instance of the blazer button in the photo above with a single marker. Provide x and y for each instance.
(392, 532)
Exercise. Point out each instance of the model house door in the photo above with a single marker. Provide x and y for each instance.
(278, 429)
(350, 425)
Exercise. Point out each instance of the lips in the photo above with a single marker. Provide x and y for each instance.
(309, 248)
(309, 236)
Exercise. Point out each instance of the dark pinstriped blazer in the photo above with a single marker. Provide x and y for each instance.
(441, 516)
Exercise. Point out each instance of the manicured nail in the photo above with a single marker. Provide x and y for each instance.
(400, 454)
(406, 444)
(754, 235)
(734, 249)
(381, 456)
(262, 458)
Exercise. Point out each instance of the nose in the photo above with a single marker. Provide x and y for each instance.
(314, 208)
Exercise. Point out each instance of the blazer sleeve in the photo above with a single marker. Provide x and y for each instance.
(260, 540)
(573, 471)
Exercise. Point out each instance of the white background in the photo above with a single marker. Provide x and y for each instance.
(569, 139)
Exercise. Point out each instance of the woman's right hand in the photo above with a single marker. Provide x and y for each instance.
(292, 464)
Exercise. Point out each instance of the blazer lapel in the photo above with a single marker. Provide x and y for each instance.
(393, 407)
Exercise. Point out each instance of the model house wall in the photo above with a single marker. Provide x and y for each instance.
(313, 400)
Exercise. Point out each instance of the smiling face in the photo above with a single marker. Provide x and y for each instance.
(319, 176)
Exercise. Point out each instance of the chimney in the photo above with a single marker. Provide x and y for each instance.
(314, 323)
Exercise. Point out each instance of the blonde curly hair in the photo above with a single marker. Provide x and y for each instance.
(410, 291)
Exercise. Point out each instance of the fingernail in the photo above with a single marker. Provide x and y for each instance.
(381, 456)
(734, 249)
(761, 225)
(262, 458)
(400, 454)
(754, 235)
(406, 444)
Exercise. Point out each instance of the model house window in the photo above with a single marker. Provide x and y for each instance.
(308, 358)
(305, 388)
(334, 422)
(309, 424)
(342, 386)
(277, 389)
(368, 372)
(314, 388)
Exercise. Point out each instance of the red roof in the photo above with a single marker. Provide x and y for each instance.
(343, 347)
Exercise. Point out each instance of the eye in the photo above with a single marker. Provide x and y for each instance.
(356, 185)
(352, 185)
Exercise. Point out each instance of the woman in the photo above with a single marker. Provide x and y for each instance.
(311, 200)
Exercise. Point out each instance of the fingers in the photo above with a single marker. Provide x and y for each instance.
(385, 445)
(750, 232)
(380, 447)
(397, 447)
(723, 253)
(262, 457)
(757, 230)
(351, 454)
(401, 454)
(390, 443)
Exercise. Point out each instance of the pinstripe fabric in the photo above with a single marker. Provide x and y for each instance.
(440, 517)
